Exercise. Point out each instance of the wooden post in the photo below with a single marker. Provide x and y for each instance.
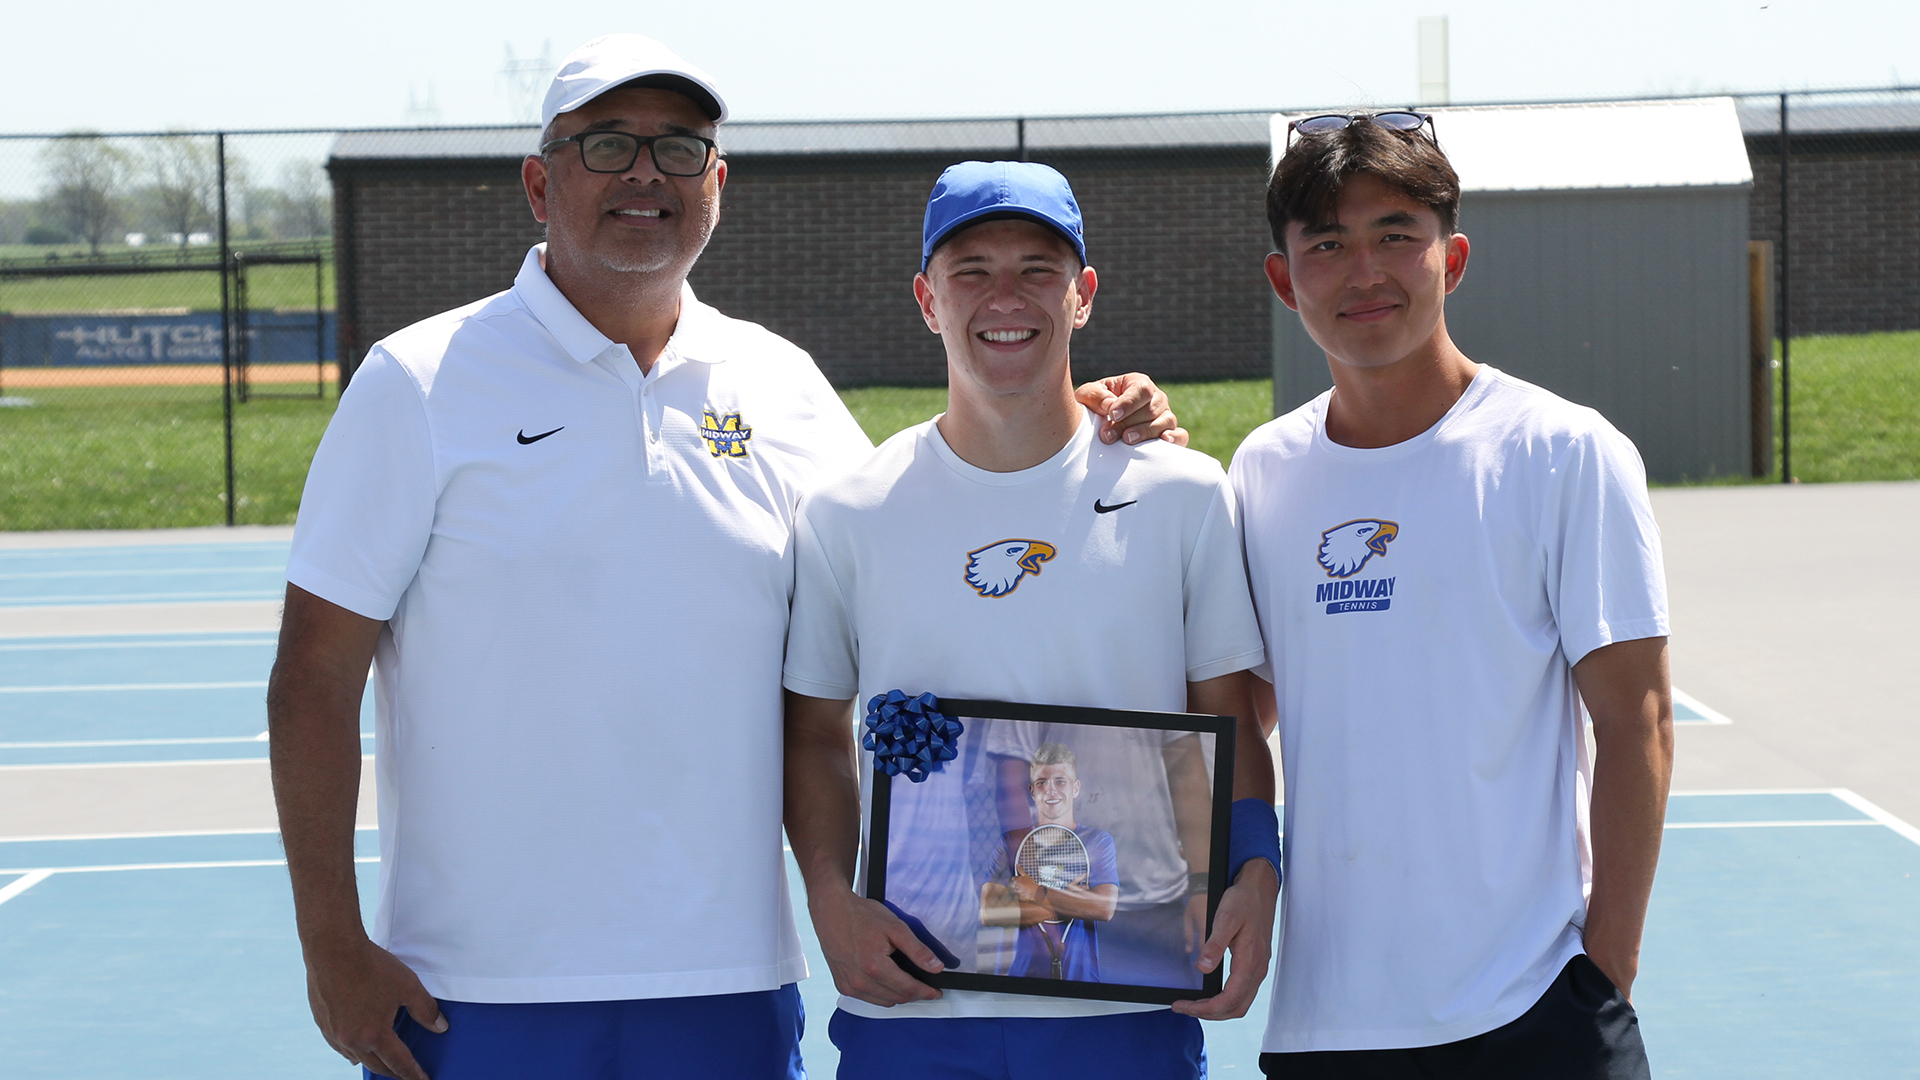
(1760, 353)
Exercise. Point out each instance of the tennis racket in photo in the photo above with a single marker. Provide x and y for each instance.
(1054, 856)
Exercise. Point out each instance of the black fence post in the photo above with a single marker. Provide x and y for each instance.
(1786, 312)
(226, 319)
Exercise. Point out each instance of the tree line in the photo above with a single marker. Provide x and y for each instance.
(161, 190)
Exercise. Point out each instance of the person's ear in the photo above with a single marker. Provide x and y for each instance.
(533, 176)
(1280, 276)
(1088, 283)
(1457, 252)
(923, 292)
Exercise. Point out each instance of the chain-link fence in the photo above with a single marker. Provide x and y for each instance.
(176, 308)
(167, 343)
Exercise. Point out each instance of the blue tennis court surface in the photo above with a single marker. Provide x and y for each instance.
(1779, 944)
(162, 573)
(153, 697)
(1780, 941)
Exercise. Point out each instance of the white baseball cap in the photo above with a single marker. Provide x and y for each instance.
(618, 60)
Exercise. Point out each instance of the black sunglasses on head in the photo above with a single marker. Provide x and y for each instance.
(1327, 123)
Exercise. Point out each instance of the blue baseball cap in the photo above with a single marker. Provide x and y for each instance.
(975, 190)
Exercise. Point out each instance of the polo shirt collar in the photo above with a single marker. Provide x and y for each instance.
(692, 337)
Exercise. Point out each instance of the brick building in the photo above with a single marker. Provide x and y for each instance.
(1853, 210)
(819, 235)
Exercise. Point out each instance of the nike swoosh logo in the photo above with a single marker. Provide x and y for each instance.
(526, 438)
(1098, 509)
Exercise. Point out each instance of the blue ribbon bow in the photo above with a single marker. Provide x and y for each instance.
(910, 735)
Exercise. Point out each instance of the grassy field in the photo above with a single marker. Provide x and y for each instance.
(152, 457)
(1856, 408)
(1217, 415)
(149, 457)
(267, 287)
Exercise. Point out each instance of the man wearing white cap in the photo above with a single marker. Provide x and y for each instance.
(556, 521)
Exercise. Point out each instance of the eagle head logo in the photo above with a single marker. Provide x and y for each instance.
(996, 570)
(1344, 549)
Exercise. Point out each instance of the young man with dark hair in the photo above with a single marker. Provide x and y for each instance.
(1453, 569)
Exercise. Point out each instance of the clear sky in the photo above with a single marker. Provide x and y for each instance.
(117, 65)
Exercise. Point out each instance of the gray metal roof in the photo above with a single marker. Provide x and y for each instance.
(1761, 116)
(1249, 130)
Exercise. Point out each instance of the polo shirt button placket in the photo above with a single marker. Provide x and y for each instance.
(651, 418)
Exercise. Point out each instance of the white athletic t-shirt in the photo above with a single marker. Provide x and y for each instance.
(1423, 605)
(584, 573)
(907, 578)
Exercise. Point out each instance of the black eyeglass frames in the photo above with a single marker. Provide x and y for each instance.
(616, 151)
(1396, 119)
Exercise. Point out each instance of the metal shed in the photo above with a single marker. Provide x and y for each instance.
(1610, 265)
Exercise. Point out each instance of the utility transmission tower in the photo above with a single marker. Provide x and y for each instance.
(526, 81)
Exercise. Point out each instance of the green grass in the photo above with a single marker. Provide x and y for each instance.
(1217, 415)
(267, 286)
(150, 457)
(1856, 408)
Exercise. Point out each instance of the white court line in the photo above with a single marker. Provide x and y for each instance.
(53, 765)
(48, 871)
(78, 688)
(15, 888)
(1766, 824)
(174, 835)
(32, 575)
(1708, 716)
(88, 743)
(1845, 795)
(1877, 814)
(132, 598)
(266, 638)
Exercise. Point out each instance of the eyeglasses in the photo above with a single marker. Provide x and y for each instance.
(616, 151)
(1396, 119)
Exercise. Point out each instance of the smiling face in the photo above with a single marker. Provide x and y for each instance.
(1371, 285)
(635, 222)
(1054, 788)
(1005, 296)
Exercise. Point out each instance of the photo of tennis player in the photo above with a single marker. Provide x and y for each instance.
(1056, 880)
(1071, 850)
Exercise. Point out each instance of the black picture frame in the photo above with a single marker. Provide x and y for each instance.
(1220, 727)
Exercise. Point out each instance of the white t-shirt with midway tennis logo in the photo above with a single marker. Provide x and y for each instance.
(1423, 605)
(918, 572)
(584, 573)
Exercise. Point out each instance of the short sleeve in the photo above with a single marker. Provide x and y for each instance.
(1605, 577)
(368, 507)
(1222, 635)
(821, 657)
(1103, 863)
(1242, 503)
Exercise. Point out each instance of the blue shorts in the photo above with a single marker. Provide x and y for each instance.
(1159, 1045)
(723, 1037)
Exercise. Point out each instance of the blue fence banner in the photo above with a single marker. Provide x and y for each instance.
(273, 337)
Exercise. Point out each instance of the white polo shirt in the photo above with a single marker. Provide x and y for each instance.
(585, 574)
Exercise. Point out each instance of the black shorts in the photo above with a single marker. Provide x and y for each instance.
(1582, 1028)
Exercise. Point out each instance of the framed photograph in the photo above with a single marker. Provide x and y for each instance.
(1061, 851)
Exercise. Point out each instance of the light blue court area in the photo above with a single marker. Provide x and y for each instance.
(137, 698)
(1778, 946)
(1780, 943)
(157, 574)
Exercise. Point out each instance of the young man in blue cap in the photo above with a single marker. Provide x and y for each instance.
(964, 559)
